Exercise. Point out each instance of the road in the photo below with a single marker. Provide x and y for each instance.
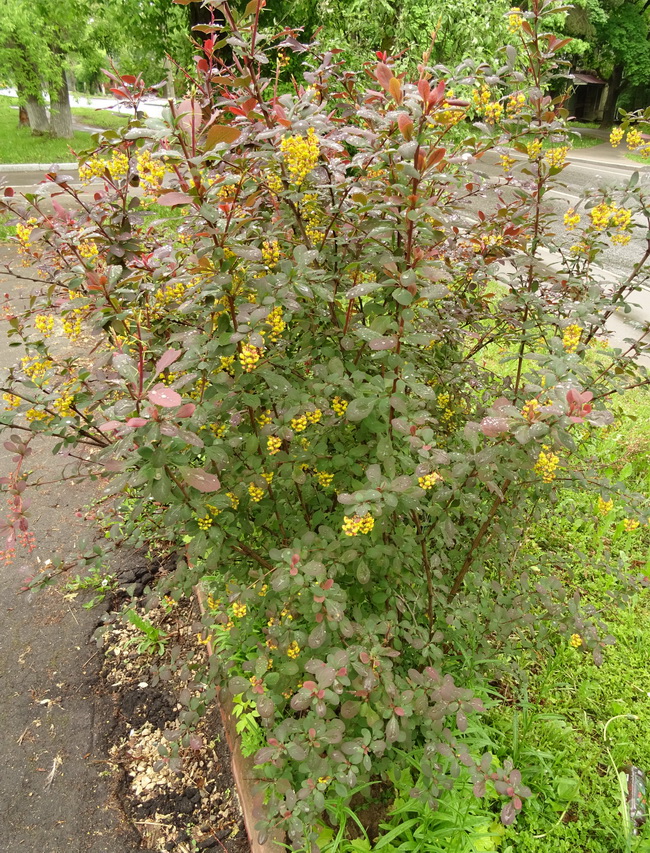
(150, 106)
(587, 171)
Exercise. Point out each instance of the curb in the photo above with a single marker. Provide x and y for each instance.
(251, 801)
(34, 167)
(607, 164)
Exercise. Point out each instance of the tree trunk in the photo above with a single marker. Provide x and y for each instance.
(60, 112)
(615, 87)
(23, 118)
(37, 115)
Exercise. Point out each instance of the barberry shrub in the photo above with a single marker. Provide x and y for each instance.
(349, 370)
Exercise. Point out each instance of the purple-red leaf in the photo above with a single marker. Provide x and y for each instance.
(137, 422)
(186, 411)
(166, 359)
(161, 395)
(173, 199)
(201, 480)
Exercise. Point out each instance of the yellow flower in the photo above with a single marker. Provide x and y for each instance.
(355, 524)
(339, 406)
(264, 417)
(571, 337)
(534, 149)
(293, 651)
(515, 102)
(118, 165)
(530, 409)
(44, 324)
(314, 416)
(616, 136)
(575, 641)
(493, 111)
(300, 154)
(515, 20)
(88, 250)
(556, 157)
(268, 476)
(601, 215)
(571, 219)
(11, 400)
(630, 524)
(270, 253)
(324, 478)
(249, 356)
(234, 500)
(276, 323)
(239, 610)
(204, 522)
(273, 444)
(226, 363)
(546, 464)
(429, 480)
(507, 162)
(299, 424)
(255, 492)
(633, 139)
(63, 405)
(604, 506)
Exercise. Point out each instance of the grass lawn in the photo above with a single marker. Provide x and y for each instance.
(17, 145)
(106, 119)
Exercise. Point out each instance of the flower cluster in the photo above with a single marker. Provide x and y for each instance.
(239, 610)
(273, 444)
(616, 136)
(556, 157)
(571, 219)
(249, 357)
(151, 171)
(604, 216)
(604, 507)
(339, 406)
(355, 524)
(324, 478)
(293, 651)
(547, 462)
(300, 155)
(170, 293)
(507, 162)
(63, 404)
(530, 409)
(515, 20)
(630, 524)
(575, 641)
(633, 139)
(88, 250)
(515, 102)
(428, 481)
(11, 400)
(270, 253)
(534, 149)
(45, 324)
(571, 337)
(255, 492)
(276, 324)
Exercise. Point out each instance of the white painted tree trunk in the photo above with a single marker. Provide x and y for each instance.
(37, 115)
(60, 113)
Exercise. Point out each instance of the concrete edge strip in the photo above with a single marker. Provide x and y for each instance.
(34, 167)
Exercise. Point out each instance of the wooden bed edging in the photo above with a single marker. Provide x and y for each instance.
(250, 797)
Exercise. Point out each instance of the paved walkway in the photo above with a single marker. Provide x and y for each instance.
(51, 718)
